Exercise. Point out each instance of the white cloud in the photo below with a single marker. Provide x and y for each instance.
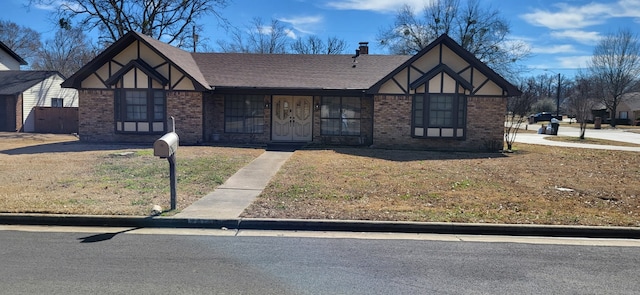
(566, 63)
(584, 37)
(565, 48)
(291, 34)
(382, 6)
(567, 16)
(574, 62)
(628, 8)
(570, 17)
(303, 24)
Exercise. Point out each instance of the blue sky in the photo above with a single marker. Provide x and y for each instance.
(560, 34)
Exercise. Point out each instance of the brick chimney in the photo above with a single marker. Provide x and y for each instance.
(364, 47)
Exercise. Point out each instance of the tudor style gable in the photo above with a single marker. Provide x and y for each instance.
(146, 80)
(134, 62)
(440, 85)
(444, 67)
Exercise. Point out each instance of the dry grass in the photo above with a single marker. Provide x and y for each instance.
(57, 174)
(589, 140)
(521, 187)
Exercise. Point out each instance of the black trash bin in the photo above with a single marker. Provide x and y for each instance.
(555, 127)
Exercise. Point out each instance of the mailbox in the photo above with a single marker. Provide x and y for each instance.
(166, 145)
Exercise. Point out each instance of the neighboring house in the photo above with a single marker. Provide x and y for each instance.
(22, 91)
(441, 98)
(629, 108)
(9, 60)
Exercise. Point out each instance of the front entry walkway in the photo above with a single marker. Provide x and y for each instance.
(230, 199)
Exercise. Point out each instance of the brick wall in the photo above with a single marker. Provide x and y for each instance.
(19, 114)
(392, 125)
(96, 117)
(187, 109)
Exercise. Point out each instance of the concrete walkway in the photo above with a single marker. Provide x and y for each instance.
(568, 130)
(230, 199)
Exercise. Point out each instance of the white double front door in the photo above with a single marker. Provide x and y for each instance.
(292, 118)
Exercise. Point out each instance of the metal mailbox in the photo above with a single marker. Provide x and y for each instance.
(166, 145)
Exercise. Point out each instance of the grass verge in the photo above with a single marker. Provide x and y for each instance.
(535, 185)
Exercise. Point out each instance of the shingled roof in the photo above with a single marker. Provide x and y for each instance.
(282, 71)
(295, 71)
(15, 82)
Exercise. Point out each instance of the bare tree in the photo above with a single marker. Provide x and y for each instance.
(67, 52)
(481, 31)
(518, 109)
(314, 45)
(582, 99)
(259, 38)
(173, 21)
(24, 41)
(615, 65)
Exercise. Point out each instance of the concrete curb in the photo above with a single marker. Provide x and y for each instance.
(323, 225)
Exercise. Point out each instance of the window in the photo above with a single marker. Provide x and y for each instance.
(140, 110)
(340, 116)
(57, 102)
(624, 115)
(244, 114)
(439, 115)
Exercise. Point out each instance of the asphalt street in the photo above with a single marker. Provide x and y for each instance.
(133, 261)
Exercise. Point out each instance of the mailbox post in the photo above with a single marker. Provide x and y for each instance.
(166, 147)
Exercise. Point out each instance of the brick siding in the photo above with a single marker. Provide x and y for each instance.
(96, 117)
(392, 125)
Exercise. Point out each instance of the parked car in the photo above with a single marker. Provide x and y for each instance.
(544, 116)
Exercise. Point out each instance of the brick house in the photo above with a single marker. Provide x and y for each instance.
(441, 98)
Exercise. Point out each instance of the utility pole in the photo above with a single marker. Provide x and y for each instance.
(557, 93)
(558, 98)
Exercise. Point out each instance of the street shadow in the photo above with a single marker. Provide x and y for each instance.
(104, 237)
(415, 155)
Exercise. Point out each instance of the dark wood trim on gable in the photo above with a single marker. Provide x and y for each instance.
(440, 69)
(137, 64)
(106, 56)
(474, 62)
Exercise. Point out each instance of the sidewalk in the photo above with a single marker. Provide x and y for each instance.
(230, 199)
(567, 130)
